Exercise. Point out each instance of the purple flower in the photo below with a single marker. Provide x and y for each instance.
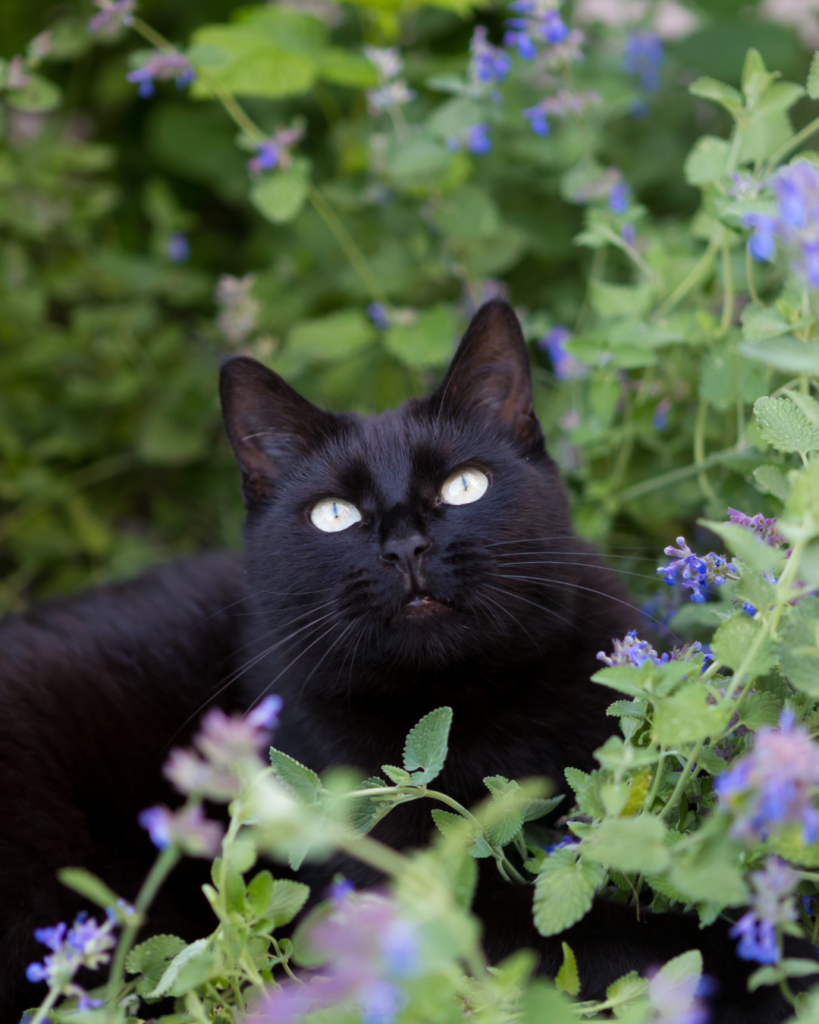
(541, 23)
(749, 608)
(774, 784)
(762, 243)
(191, 775)
(340, 889)
(773, 904)
(188, 829)
(696, 572)
(643, 58)
(379, 315)
(178, 248)
(230, 739)
(488, 63)
(275, 151)
(537, 120)
(86, 944)
(629, 236)
(632, 651)
(766, 530)
(618, 197)
(564, 365)
(660, 418)
(160, 67)
(380, 1002)
(477, 139)
(113, 15)
(566, 841)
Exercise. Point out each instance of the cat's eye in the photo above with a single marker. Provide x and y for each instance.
(333, 514)
(463, 487)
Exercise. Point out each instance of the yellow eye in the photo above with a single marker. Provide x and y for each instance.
(465, 486)
(333, 514)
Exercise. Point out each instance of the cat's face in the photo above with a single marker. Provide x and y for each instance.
(397, 539)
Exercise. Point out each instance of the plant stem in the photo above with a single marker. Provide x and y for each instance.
(749, 274)
(691, 279)
(699, 450)
(655, 782)
(728, 287)
(790, 145)
(45, 1006)
(163, 865)
(683, 780)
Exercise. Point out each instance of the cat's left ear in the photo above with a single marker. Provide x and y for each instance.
(489, 377)
(268, 423)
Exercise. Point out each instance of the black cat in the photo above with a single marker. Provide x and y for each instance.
(393, 564)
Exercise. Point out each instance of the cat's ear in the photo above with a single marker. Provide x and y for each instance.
(489, 377)
(268, 423)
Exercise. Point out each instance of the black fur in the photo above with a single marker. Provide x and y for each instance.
(493, 607)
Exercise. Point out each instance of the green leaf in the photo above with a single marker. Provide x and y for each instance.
(259, 891)
(784, 426)
(799, 647)
(564, 890)
(756, 554)
(733, 639)
(626, 989)
(88, 885)
(280, 195)
(762, 322)
(36, 96)
(808, 405)
(192, 962)
(451, 826)
(790, 967)
(568, 978)
(627, 709)
(755, 77)
(425, 344)
(648, 680)
(151, 959)
(726, 95)
(301, 781)
(364, 813)
(708, 879)
(342, 67)
(332, 338)
(535, 809)
(680, 970)
(686, 716)
(788, 354)
(286, 900)
(628, 844)
(240, 60)
(707, 160)
(397, 775)
(770, 480)
(587, 790)
(426, 745)
(813, 77)
(760, 709)
(611, 301)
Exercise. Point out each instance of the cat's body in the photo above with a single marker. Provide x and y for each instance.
(488, 604)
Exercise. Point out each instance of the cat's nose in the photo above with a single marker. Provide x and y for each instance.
(406, 552)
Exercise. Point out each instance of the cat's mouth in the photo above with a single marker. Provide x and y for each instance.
(422, 606)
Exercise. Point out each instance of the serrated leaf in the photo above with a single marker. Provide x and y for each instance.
(259, 892)
(611, 301)
(687, 717)
(151, 959)
(761, 322)
(364, 813)
(784, 426)
(279, 196)
(505, 829)
(710, 880)
(760, 709)
(88, 885)
(297, 778)
(683, 967)
(535, 809)
(286, 900)
(733, 639)
(568, 978)
(627, 709)
(587, 790)
(799, 647)
(564, 890)
(726, 95)
(426, 745)
(707, 160)
(451, 826)
(770, 480)
(196, 952)
(755, 77)
(397, 775)
(813, 77)
(808, 405)
(628, 844)
(627, 989)
(499, 785)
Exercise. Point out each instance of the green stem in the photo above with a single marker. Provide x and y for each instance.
(749, 274)
(699, 450)
(790, 145)
(342, 236)
(674, 476)
(691, 279)
(685, 776)
(728, 287)
(444, 799)
(45, 1006)
(163, 865)
(655, 782)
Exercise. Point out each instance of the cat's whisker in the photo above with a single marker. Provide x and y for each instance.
(583, 565)
(519, 597)
(315, 668)
(591, 590)
(517, 622)
(569, 536)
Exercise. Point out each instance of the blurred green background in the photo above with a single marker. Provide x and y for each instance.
(111, 449)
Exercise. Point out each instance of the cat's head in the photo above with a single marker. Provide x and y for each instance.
(412, 538)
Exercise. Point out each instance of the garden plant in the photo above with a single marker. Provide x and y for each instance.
(334, 189)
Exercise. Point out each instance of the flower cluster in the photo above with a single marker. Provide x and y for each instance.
(565, 366)
(774, 784)
(369, 950)
(562, 103)
(541, 23)
(392, 91)
(238, 309)
(643, 58)
(275, 151)
(796, 223)
(488, 64)
(773, 904)
(159, 68)
(766, 530)
(631, 651)
(475, 138)
(696, 572)
(85, 944)
(188, 829)
(112, 16)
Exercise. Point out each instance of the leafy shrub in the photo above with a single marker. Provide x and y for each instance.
(379, 195)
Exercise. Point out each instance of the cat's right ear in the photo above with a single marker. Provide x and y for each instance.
(268, 423)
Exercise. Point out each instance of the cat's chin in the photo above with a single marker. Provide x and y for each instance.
(422, 606)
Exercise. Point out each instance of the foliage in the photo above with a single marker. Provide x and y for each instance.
(379, 196)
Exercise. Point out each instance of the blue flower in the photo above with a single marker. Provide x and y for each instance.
(660, 418)
(565, 366)
(541, 23)
(772, 904)
(537, 120)
(487, 63)
(477, 139)
(644, 58)
(749, 608)
(618, 197)
(696, 572)
(762, 243)
(178, 248)
(379, 315)
(161, 66)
